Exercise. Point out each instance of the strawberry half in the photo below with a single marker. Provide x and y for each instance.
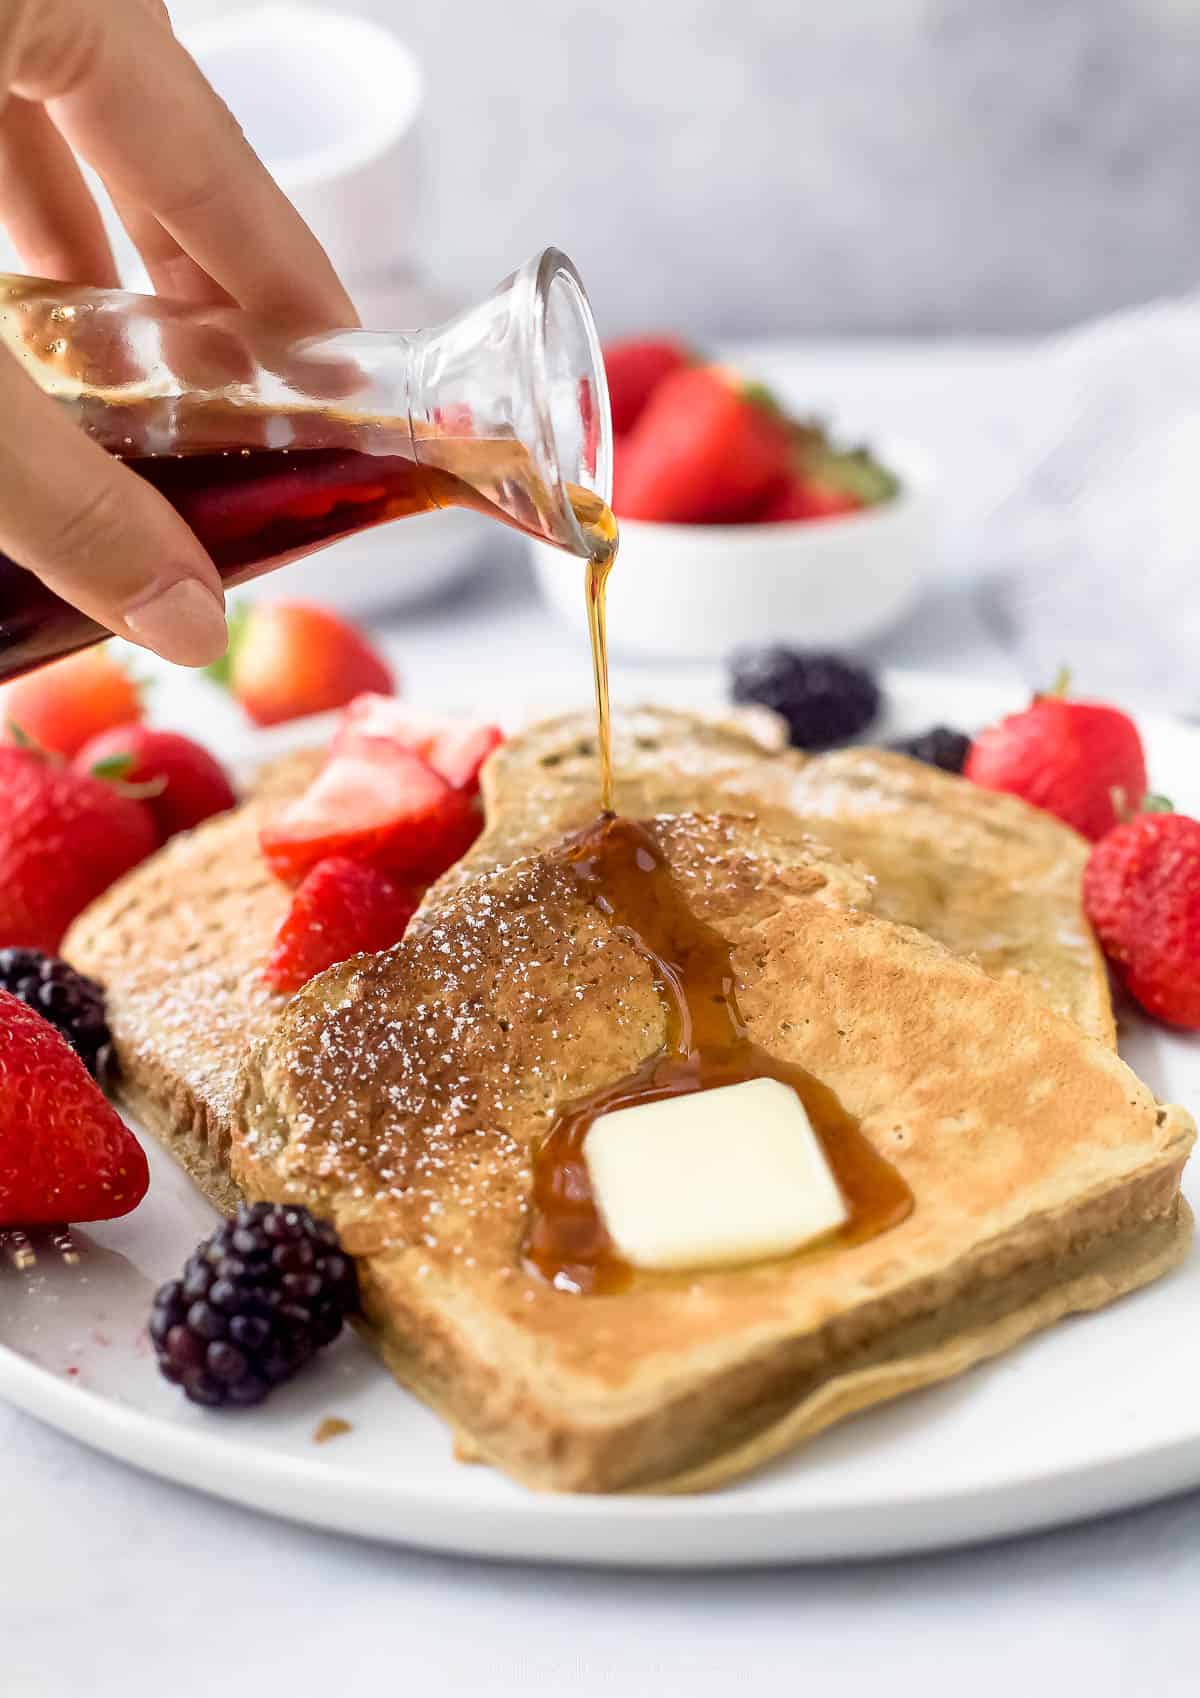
(375, 803)
(341, 909)
(65, 1153)
(705, 450)
(455, 748)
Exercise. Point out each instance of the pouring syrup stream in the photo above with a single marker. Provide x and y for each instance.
(620, 871)
(600, 529)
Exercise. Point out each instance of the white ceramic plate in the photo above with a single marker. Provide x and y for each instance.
(1099, 1413)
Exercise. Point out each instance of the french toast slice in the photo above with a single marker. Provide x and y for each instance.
(676, 1384)
(404, 1096)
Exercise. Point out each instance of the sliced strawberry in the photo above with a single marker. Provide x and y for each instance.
(342, 908)
(455, 748)
(374, 715)
(374, 803)
(65, 1153)
(801, 497)
(459, 751)
(635, 367)
(703, 451)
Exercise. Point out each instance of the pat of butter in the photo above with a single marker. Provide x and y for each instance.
(728, 1175)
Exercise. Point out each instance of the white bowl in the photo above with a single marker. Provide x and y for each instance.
(332, 104)
(697, 591)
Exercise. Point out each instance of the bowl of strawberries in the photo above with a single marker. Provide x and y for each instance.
(741, 522)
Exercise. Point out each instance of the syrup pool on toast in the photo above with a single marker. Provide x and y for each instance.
(621, 871)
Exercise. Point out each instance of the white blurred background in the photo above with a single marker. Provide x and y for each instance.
(750, 167)
(889, 211)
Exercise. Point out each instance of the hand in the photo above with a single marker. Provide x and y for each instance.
(108, 78)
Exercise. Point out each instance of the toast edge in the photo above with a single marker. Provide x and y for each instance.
(643, 1453)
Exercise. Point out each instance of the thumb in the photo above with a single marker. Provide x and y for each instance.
(97, 535)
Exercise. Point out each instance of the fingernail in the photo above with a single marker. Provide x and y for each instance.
(184, 623)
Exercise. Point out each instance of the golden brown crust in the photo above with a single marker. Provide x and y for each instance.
(787, 1405)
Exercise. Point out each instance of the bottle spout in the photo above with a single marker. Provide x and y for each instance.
(511, 398)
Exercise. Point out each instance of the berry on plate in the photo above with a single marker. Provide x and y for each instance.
(454, 747)
(60, 706)
(183, 783)
(290, 659)
(377, 803)
(706, 449)
(1141, 891)
(64, 838)
(65, 1153)
(635, 367)
(939, 746)
(256, 1302)
(341, 909)
(1082, 761)
(72, 1003)
(823, 698)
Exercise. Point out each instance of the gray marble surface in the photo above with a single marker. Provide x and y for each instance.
(775, 166)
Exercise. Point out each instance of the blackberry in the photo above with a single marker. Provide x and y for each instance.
(257, 1300)
(823, 698)
(940, 747)
(64, 997)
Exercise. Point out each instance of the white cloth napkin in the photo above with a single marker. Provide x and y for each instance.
(1095, 548)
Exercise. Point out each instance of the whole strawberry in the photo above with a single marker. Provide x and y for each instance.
(64, 838)
(1141, 891)
(65, 1153)
(184, 783)
(290, 659)
(58, 707)
(1082, 761)
(706, 449)
(635, 367)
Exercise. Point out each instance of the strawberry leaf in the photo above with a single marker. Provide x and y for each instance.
(221, 671)
(21, 739)
(762, 397)
(113, 767)
(1152, 804)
